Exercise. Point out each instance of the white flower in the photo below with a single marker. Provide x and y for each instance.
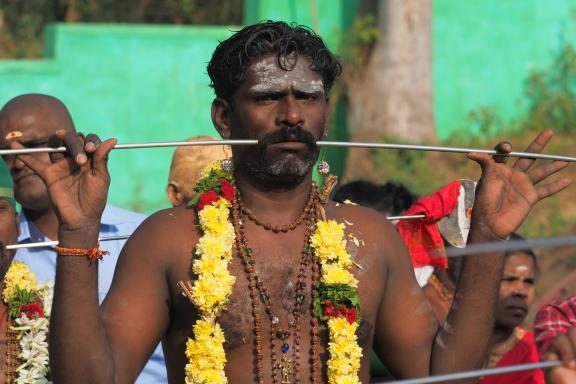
(33, 340)
(47, 296)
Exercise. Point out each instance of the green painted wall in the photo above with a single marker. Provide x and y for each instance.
(149, 83)
(142, 83)
(484, 51)
(136, 83)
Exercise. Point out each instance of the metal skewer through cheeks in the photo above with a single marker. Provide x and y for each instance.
(162, 144)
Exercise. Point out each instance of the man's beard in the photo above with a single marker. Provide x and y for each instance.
(286, 168)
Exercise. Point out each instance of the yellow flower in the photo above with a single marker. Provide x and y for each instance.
(206, 353)
(215, 217)
(335, 274)
(215, 166)
(345, 353)
(18, 275)
(210, 292)
(329, 243)
(215, 246)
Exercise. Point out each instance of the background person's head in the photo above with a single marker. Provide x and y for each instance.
(390, 199)
(31, 119)
(271, 80)
(187, 163)
(517, 287)
(232, 57)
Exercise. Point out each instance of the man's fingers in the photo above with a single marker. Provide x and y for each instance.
(542, 172)
(38, 166)
(503, 148)
(75, 147)
(54, 141)
(563, 348)
(100, 159)
(91, 143)
(552, 188)
(536, 146)
(483, 159)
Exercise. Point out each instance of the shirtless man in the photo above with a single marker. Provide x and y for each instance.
(271, 82)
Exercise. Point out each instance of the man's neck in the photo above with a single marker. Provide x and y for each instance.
(46, 221)
(276, 206)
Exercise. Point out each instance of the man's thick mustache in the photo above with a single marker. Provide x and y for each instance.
(287, 133)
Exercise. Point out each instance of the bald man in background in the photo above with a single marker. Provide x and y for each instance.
(187, 163)
(32, 119)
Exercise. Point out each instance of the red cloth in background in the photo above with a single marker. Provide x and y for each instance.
(524, 352)
(552, 320)
(422, 236)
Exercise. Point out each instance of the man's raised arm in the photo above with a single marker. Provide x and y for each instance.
(504, 198)
(87, 343)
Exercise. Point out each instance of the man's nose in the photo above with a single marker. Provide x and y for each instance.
(520, 289)
(290, 112)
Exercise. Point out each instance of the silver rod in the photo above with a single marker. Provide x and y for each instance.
(441, 149)
(408, 217)
(472, 249)
(157, 144)
(479, 373)
(52, 243)
(512, 245)
(162, 144)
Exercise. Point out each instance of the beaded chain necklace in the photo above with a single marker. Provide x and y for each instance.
(289, 367)
(335, 300)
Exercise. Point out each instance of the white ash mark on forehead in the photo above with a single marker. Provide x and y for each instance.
(522, 268)
(317, 86)
(271, 78)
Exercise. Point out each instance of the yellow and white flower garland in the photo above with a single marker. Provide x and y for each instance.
(212, 288)
(345, 353)
(29, 307)
(213, 285)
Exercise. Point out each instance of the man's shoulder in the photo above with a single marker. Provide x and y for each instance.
(359, 216)
(170, 222)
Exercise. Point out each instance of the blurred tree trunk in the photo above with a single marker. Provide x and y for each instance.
(392, 95)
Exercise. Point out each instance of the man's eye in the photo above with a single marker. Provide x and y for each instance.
(306, 96)
(268, 97)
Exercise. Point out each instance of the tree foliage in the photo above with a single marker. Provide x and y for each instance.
(22, 22)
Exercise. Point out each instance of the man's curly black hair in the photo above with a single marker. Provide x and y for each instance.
(227, 68)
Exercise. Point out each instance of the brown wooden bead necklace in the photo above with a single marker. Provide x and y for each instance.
(12, 352)
(289, 368)
(283, 228)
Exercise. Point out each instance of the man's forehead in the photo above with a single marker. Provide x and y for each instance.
(266, 73)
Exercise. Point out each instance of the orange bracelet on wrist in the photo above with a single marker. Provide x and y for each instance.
(92, 254)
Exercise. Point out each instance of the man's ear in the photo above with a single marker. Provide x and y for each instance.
(221, 117)
(174, 195)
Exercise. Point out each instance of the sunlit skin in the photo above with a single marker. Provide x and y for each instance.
(144, 304)
(516, 294)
